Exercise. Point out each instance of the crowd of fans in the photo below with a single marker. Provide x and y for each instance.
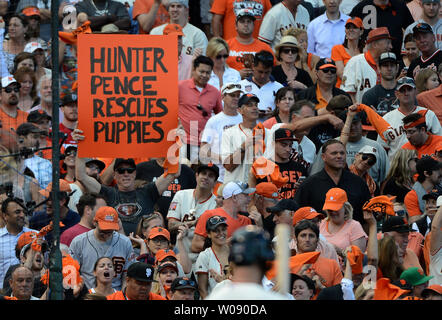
(320, 115)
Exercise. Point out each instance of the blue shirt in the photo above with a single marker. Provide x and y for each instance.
(323, 34)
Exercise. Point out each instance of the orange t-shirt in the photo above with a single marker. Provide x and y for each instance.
(232, 224)
(322, 102)
(428, 148)
(269, 123)
(328, 269)
(120, 296)
(229, 9)
(9, 122)
(338, 53)
(143, 6)
(237, 51)
(412, 204)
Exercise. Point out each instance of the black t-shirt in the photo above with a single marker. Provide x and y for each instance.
(392, 188)
(312, 191)
(132, 205)
(321, 133)
(269, 225)
(395, 16)
(111, 8)
(302, 76)
(151, 170)
(418, 64)
(383, 100)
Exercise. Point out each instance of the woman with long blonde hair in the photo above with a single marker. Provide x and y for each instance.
(399, 180)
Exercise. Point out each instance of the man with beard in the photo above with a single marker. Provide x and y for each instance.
(14, 216)
(44, 88)
(28, 138)
(69, 108)
(10, 116)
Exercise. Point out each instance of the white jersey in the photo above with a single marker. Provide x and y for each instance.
(278, 19)
(437, 30)
(193, 38)
(436, 268)
(244, 291)
(231, 141)
(213, 132)
(207, 260)
(358, 76)
(86, 249)
(182, 203)
(396, 137)
(266, 93)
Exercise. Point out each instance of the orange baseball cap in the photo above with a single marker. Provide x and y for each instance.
(294, 262)
(172, 28)
(305, 213)
(335, 199)
(107, 218)
(31, 11)
(159, 231)
(64, 186)
(26, 238)
(163, 254)
(356, 21)
(267, 189)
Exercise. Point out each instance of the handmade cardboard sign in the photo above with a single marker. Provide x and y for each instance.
(127, 94)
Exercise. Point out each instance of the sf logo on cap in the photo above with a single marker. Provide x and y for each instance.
(148, 272)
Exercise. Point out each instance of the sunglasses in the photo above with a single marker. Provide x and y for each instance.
(289, 50)
(216, 219)
(93, 167)
(186, 282)
(401, 213)
(15, 89)
(71, 153)
(370, 161)
(327, 70)
(222, 56)
(125, 170)
(204, 112)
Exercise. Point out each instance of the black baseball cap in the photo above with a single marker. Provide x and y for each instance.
(343, 116)
(433, 194)
(284, 204)
(215, 221)
(69, 148)
(397, 224)
(245, 98)
(325, 63)
(37, 115)
(183, 283)
(26, 128)
(101, 165)
(284, 134)
(210, 166)
(427, 164)
(423, 28)
(120, 161)
(141, 271)
(387, 57)
(69, 98)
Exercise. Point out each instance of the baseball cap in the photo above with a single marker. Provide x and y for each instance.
(284, 204)
(32, 46)
(183, 283)
(236, 187)
(120, 161)
(355, 21)
(284, 134)
(405, 81)
(210, 166)
(427, 164)
(173, 28)
(397, 224)
(433, 194)
(245, 98)
(435, 288)
(163, 254)
(378, 34)
(69, 148)
(101, 165)
(183, 2)
(37, 115)
(159, 232)
(308, 213)
(415, 276)
(141, 271)
(335, 199)
(369, 150)
(214, 221)
(26, 128)
(167, 264)
(267, 190)
(387, 57)
(6, 81)
(423, 28)
(325, 63)
(26, 238)
(107, 218)
(64, 186)
(31, 11)
(403, 284)
(231, 87)
(69, 98)
(245, 13)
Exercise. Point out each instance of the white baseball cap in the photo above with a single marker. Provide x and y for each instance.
(236, 187)
(32, 46)
(6, 81)
(369, 150)
(231, 87)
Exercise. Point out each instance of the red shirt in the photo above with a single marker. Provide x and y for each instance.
(69, 234)
(69, 139)
(120, 296)
(189, 98)
(232, 224)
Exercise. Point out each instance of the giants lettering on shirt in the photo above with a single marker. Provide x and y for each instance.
(365, 84)
(395, 133)
(298, 25)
